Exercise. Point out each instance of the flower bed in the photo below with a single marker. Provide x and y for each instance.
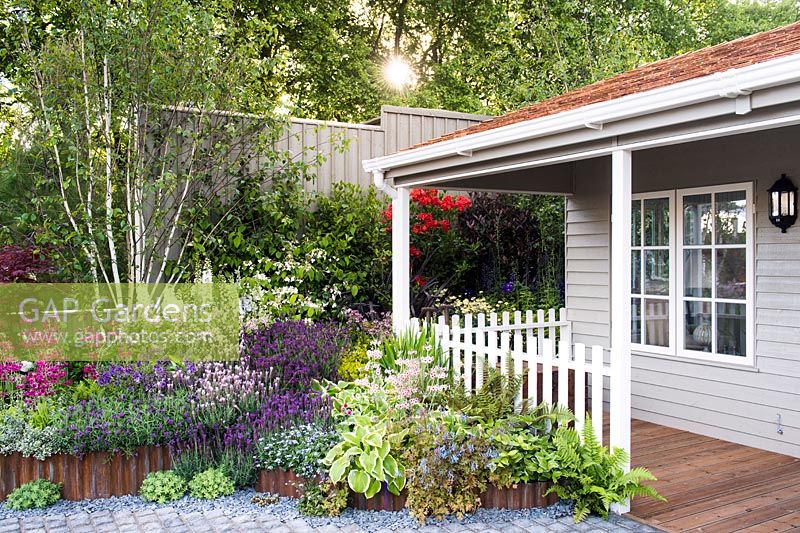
(94, 475)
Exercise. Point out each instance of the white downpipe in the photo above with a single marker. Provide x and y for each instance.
(620, 431)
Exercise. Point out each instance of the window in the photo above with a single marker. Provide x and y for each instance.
(651, 284)
(691, 279)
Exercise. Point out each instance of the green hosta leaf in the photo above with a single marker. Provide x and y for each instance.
(338, 468)
(397, 484)
(333, 453)
(352, 452)
(352, 438)
(390, 466)
(374, 487)
(367, 461)
(358, 481)
(384, 450)
(373, 439)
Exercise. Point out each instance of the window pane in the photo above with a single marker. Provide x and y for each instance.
(732, 273)
(697, 273)
(731, 328)
(697, 219)
(656, 222)
(697, 321)
(731, 217)
(636, 320)
(636, 223)
(656, 322)
(636, 271)
(656, 272)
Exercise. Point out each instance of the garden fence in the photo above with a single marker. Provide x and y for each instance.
(540, 349)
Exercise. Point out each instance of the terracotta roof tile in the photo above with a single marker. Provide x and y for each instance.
(740, 53)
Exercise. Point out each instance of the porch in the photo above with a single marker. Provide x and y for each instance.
(713, 485)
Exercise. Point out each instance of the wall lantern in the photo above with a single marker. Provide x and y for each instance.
(783, 203)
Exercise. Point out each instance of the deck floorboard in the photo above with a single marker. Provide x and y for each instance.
(713, 485)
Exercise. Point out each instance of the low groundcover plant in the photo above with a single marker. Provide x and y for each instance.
(36, 494)
(211, 484)
(162, 487)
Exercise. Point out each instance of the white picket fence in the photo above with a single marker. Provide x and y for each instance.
(540, 347)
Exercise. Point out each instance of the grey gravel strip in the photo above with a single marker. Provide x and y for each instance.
(236, 513)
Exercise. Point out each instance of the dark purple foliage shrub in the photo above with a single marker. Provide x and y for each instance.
(299, 352)
(22, 264)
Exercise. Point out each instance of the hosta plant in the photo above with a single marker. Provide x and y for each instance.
(35, 494)
(162, 487)
(594, 477)
(211, 484)
(367, 459)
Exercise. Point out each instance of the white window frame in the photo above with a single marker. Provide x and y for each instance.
(749, 358)
(671, 297)
(677, 333)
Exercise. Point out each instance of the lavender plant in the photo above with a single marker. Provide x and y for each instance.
(297, 351)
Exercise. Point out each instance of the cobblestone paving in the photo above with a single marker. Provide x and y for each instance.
(168, 519)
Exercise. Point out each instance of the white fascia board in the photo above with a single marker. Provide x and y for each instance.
(728, 84)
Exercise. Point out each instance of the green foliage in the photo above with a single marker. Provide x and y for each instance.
(412, 344)
(162, 487)
(36, 494)
(190, 462)
(298, 254)
(523, 444)
(495, 400)
(731, 20)
(448, 465)
(592, 476)
(352, 366)
(367, 457)
(350, 400)
(322, 499)
(211, 484)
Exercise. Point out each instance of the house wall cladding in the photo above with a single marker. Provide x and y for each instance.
(740, 404)
(345, 145)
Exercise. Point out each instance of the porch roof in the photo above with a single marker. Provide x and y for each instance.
(746, 85)
(736, 54)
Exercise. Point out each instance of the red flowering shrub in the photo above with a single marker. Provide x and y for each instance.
(439, 255)
(21, 264)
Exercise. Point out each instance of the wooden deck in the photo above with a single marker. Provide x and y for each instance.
(713, 485)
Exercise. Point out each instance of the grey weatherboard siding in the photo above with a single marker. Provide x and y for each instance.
(723, 401)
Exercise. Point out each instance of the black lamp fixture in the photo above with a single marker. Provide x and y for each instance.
(783, 203)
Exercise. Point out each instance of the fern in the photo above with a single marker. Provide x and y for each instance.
(594, 477)
(495, 399)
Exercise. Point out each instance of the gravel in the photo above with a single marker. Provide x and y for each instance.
(284, 510)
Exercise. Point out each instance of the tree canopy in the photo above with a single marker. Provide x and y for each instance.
(486, 56)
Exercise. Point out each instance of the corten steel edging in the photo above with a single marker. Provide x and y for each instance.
(520, 496)
(281, 482)
(382, 501)
(94, 475)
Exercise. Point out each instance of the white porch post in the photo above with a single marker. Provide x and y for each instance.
(621, 304)
(401, 260)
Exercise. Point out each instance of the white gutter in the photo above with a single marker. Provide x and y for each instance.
(729, 84)
(382, 185)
